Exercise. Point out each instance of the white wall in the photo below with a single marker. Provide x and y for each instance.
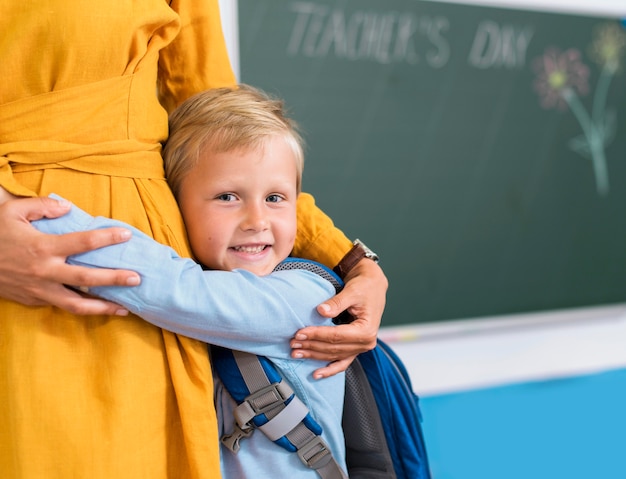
(230, 24)
(477, 353)
(608, 8)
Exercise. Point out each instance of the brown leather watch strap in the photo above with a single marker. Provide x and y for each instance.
(349, 261)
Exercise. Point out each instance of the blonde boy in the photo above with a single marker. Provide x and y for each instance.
(234, 162)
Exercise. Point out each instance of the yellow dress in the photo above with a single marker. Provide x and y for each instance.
(108, 397)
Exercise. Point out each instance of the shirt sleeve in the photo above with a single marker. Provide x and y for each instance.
(233, 309)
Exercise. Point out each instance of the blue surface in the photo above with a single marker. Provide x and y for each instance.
(571, 428)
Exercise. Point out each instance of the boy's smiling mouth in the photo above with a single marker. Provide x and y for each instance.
(255, 249)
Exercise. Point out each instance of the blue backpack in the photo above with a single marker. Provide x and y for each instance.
(381, 416)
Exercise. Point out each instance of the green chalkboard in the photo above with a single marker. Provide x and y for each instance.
(480, 151)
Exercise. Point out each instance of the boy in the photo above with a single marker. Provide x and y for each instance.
(234, 163)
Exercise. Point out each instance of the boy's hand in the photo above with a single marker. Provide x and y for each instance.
(364, 297)
(33, 270)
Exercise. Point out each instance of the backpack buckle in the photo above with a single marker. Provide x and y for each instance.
(268, 397)
(233, 440)
(315, 453)
(260, 402)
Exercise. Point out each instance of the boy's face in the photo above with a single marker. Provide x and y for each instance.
(240, 207)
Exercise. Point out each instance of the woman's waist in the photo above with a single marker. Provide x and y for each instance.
(114, 109)
(125, 158)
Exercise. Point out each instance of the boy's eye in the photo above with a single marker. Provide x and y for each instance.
(227, 197)
(274, 199)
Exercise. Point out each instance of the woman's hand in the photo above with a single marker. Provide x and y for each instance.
(33, 270)
(364, 297)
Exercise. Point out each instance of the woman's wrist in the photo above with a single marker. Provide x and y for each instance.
(358, 252)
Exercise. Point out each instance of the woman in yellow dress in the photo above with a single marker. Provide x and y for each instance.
(111, 396)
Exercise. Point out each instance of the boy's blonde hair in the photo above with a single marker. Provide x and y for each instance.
(226, 119)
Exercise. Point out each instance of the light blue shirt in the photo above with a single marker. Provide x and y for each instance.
(233, 309)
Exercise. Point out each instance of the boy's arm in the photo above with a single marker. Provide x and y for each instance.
(238, 309)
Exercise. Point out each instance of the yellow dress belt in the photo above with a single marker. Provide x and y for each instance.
(113, 127)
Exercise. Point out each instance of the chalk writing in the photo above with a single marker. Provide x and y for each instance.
(500, 46)
(389, 37)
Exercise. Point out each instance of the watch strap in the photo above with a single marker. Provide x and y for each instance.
(349, 261)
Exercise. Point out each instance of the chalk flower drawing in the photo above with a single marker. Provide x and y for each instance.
(608, 46)
(559, 75)
(563, 78)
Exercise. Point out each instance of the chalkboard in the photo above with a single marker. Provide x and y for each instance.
(480, 151)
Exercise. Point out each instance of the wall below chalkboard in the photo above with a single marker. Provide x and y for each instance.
(480, 151)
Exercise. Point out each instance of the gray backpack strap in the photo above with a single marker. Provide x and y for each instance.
(285, 417)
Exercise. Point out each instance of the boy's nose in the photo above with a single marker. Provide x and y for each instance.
(255, 219)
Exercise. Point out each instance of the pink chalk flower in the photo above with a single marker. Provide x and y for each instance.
(559, 75)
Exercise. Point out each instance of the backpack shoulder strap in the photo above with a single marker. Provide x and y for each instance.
(266, 402)
(321, 270)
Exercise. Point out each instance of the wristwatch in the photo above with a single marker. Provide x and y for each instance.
(352, 257)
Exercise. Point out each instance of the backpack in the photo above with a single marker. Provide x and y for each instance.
(378, 392)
